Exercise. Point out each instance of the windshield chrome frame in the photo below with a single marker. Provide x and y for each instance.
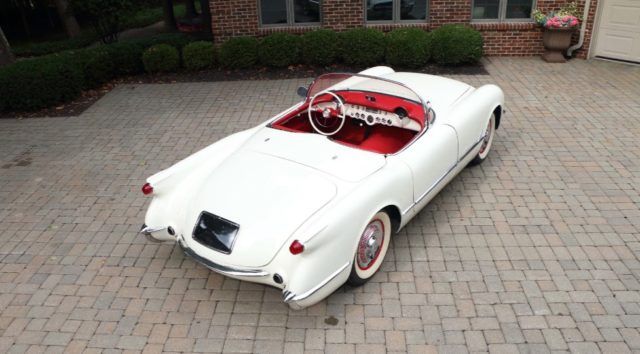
(425, 105)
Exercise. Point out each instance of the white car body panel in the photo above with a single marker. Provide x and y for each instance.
(281, 186)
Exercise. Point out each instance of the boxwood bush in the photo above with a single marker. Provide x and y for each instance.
(408, 48)
(198, 55)
(456, 44)
(279, 50)
(161, 58)
(320, 47)
(98, 67)
(178, 40)
(126, 58)
(239, 53)
(39, 83)
(362, 47)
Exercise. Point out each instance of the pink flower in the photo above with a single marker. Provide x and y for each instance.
(574, 22)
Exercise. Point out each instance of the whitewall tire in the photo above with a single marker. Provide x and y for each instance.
(372, 247)
(487, 141)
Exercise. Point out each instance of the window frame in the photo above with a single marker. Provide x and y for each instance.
(502, 13)
(396, 14)
(291, 16)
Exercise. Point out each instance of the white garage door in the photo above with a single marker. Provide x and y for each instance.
(618, 34)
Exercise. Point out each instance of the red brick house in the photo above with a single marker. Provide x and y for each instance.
(613, 26)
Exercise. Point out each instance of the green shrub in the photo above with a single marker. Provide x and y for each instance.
(175, 39)
(198, 55)
(279, 50)
(456, 44)
(38, 83)
(98, 68)
(362, 47)
(161, 58)
(320, 47)
(239, 53)
(408, 48)
(49, 47)
(126, 58)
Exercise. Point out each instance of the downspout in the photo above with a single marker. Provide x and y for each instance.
(583, 28)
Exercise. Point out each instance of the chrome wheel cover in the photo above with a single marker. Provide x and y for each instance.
(370, 244)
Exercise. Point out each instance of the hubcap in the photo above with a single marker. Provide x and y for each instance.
(370, 244)
(487, 137)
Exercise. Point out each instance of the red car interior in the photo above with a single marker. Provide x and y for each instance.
(377, 138)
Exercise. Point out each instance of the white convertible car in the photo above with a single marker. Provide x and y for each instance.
(309, 199)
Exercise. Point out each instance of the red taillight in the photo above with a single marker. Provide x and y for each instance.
(296, 247)
(147, 189)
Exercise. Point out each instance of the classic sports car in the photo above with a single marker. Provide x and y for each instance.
(308, 200)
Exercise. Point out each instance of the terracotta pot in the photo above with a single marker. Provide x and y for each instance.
(556, 41)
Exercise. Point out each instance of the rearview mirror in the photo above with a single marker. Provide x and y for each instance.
(303, 91)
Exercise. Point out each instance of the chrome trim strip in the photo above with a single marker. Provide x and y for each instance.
(150, 229)
(288, 296)
(471, 148)
(434, 185)
(225, 270)
(443, 176)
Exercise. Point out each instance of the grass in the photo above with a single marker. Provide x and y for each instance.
(52, 43)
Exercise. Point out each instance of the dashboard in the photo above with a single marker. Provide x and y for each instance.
(399, 118)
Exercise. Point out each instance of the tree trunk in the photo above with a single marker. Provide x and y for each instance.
(68, 19)
(191, 9)
(205, 15)
(6, 57)
(169, 17)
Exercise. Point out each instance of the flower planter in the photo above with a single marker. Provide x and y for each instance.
(556, 41)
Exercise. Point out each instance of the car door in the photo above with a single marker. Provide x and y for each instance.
(431, 159)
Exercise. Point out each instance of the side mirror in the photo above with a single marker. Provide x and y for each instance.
(302, 91)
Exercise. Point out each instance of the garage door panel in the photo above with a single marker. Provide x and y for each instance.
(624, 17)
(618, 43)
(618, 32)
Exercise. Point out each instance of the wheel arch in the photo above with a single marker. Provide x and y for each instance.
(395, 216)
(498, 113)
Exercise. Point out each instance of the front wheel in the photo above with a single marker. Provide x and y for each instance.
(486, 142)
(372, 247)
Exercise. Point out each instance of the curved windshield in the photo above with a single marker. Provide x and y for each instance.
(364, 83)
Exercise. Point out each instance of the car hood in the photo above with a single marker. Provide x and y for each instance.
(267, 196)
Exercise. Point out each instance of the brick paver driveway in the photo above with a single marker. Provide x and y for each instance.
(536, 250)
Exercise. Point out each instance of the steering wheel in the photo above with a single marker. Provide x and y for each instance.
(326, 117)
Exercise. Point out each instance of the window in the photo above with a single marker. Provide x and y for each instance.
(502, 10)
(289, 12)
(396, 10)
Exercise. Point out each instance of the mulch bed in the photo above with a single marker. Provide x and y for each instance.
(79, 105)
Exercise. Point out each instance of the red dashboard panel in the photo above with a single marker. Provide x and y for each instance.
(384, 102)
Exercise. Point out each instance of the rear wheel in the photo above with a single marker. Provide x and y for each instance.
(372, 248)
(485, 146)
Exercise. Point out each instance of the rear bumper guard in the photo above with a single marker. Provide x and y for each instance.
(219, 268)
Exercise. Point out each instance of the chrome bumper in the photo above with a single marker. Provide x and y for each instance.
(218, 268)
(148, 231)
(295, 301)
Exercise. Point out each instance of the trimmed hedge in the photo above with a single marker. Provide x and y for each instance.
(279, 50)
(362, 47)
(98, 67)
(239, 53)
(408, 48)
(39, 83)
(178, 40)
(320, 47)
(126, 58)
(161, 58)
(198, 55)
(50, 47)
(456, 44)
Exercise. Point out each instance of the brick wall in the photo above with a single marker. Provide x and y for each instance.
(240, 18)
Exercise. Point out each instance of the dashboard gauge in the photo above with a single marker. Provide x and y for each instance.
(401, 112)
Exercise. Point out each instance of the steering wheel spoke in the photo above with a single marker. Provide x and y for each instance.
(323, 116)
